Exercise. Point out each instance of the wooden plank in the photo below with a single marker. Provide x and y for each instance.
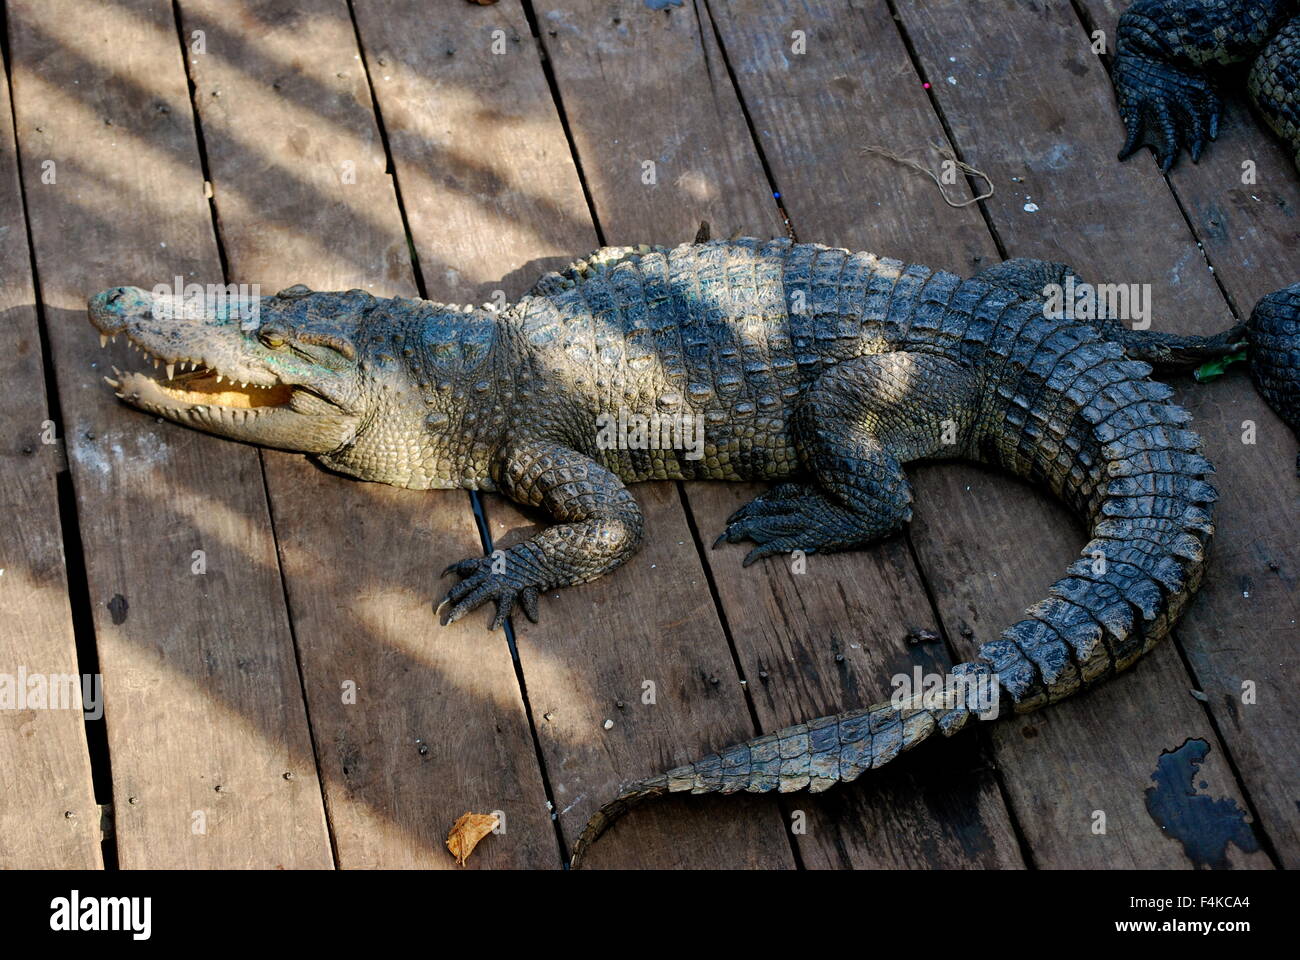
(507, 202)
(206, 723)
(1053, 128)
(438, 726)
(1250, 233)
(485, 173)
(1024, 520)
(48, 817)
(706, 164)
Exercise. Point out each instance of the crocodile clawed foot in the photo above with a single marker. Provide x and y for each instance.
(777, 500)
(788, 517)
(795, 517)
(1165, 108)
(480, 584)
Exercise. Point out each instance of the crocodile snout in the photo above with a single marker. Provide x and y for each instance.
(111, 310)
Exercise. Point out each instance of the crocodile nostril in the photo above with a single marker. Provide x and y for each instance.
(116, 295)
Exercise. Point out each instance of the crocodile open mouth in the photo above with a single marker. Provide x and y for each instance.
(191, 385)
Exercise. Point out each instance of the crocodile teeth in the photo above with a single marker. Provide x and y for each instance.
(103, 340)
(218, 378)
(171, 371)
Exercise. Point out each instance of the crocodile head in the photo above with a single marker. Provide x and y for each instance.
(278, 371)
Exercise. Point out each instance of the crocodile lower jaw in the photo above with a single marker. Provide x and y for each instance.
(200, 396)
(199, 387)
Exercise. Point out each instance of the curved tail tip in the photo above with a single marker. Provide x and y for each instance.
(603, 818)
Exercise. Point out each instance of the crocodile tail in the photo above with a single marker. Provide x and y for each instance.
(1074, 413)
(1068, 410)
(815, 756)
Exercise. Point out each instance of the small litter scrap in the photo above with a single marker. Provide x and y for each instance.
(466, 832)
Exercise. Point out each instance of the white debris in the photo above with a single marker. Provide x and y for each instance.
(609, 724)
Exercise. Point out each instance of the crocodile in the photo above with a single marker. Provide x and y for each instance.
(1274, 335)
(1164, 50)
(822, 371)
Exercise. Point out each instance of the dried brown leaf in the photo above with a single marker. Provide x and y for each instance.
(467, 832)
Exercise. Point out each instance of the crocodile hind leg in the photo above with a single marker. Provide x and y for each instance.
(1043, 279)
(856, 427)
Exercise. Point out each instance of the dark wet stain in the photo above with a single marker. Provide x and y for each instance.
(1215, 224)
(1231, 703)
(1029, 732)
(1076, 68)
(117, 609)
(352, 765)
(1205, 826)
(950, 780)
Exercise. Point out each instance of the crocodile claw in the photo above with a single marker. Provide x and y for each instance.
(528, 601)
(1166, 109)
(773, 519)
(462, 567)
(480, 584)
(792, 517)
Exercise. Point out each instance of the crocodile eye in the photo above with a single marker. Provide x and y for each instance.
(271, 338)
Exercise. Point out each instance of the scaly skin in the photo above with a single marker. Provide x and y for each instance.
(1163, 50)
(812, 367)
(1274, 84)
(1275, 354)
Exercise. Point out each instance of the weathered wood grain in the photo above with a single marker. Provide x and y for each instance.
(799, 638)
(212, 762)
(1052, 127)
(48, 817)
(200, 672)
(489, 131)
(808, 111)
(1244, 630)
(437, 724)
(480, 154)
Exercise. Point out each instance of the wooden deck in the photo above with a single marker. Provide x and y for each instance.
(296, 704)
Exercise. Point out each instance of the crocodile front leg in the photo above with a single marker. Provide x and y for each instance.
(599, 528)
